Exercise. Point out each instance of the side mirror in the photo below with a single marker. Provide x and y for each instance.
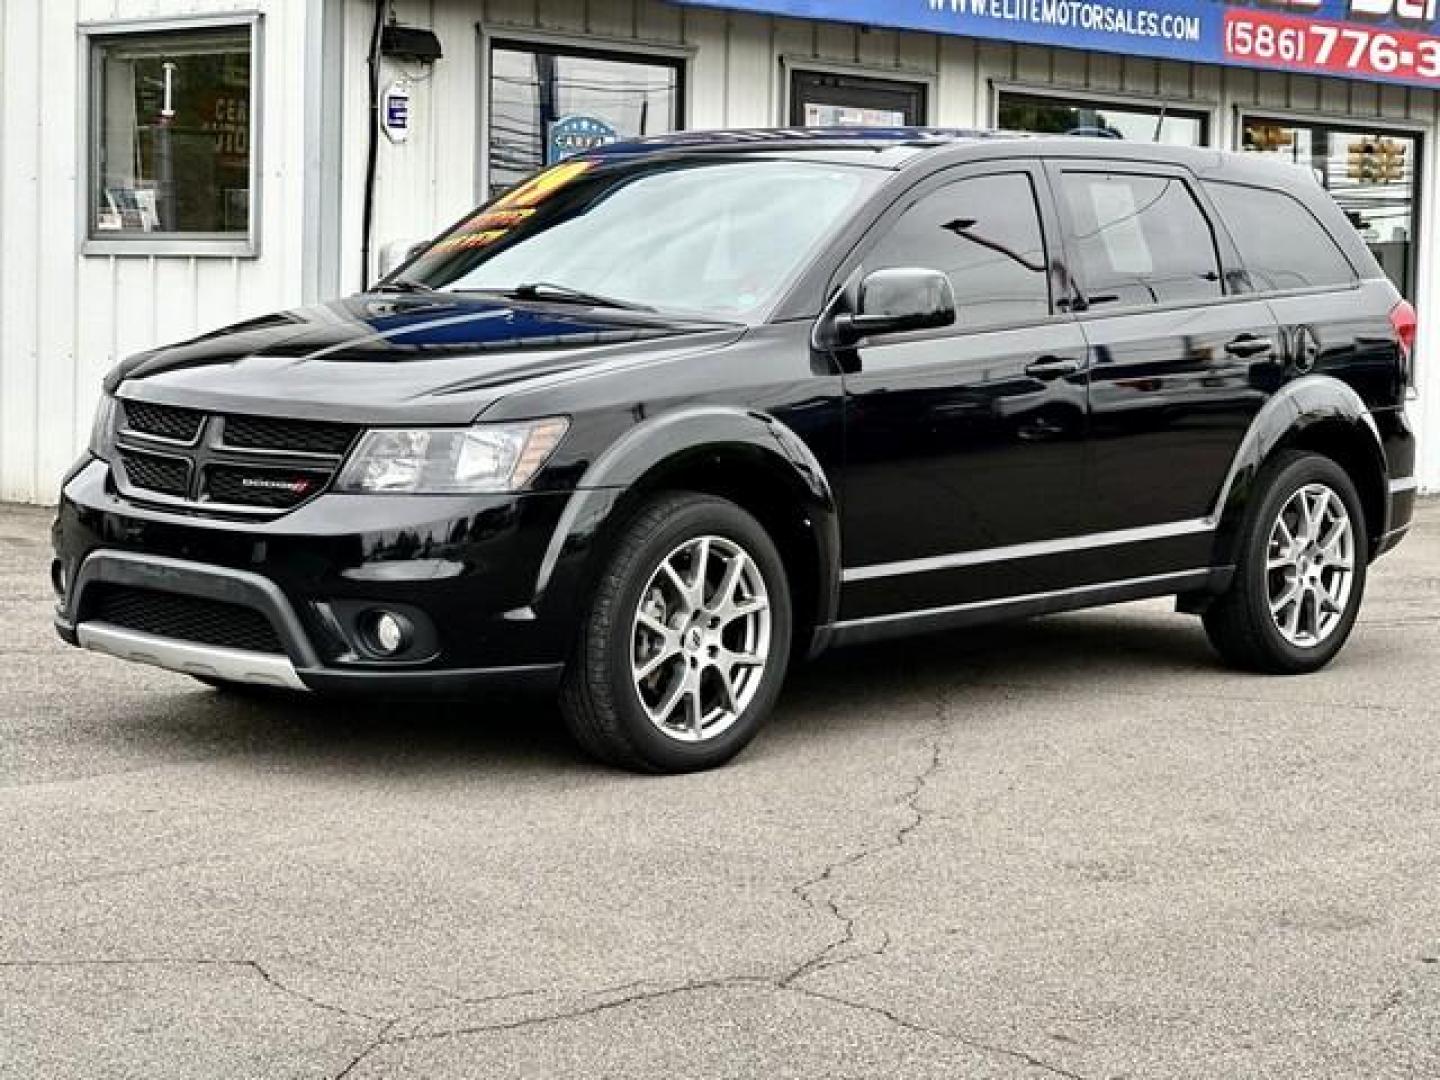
(896, 301)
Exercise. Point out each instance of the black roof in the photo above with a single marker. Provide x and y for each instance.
(896, 148)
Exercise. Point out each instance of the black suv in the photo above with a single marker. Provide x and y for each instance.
(675, 413)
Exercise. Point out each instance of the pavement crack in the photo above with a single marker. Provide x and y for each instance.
(386, 1035)
(910, 801)
(231, 963)
(894, 1018)
(633, 998)
(299, 995)
(379, 1039)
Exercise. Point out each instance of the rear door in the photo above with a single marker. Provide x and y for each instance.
(1181, 354)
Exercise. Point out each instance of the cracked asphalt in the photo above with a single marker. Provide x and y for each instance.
(1072, 847)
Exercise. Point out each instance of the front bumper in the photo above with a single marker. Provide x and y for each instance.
(469, 570)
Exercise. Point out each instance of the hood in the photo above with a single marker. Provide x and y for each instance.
(393, 358)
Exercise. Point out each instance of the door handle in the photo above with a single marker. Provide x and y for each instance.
(1052, 367)
(1247, 345)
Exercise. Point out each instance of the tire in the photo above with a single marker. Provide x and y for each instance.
(1305, 633)
(645, 638)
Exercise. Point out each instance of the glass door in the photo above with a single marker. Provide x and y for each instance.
(1371, 174)
(820, 99)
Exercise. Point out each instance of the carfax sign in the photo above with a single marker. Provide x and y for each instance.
(1384, 40)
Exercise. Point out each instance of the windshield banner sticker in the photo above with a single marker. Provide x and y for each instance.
(497, 221)
(1378, 40)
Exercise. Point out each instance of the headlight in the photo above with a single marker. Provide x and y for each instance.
(102, 427)
(451, 461)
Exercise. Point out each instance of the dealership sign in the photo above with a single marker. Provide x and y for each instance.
(1383, 40)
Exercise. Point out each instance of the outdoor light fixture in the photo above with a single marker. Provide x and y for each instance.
(410, 43)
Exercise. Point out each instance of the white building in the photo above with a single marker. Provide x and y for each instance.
(171, 166)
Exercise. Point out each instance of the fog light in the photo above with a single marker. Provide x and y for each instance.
(390, 633)
(57, 578)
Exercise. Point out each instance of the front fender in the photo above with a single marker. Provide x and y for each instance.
(667, 443)
(1298, 408)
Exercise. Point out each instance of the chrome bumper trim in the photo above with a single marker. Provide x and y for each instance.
(1404, 484)
(187, 658)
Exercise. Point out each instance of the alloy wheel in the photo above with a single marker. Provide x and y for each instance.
(700, 639)
(1310, 565)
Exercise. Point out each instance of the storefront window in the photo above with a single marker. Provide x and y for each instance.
(1137, 123)
(821, 99)
(1371, 175)
(172, 135)
(548, 104)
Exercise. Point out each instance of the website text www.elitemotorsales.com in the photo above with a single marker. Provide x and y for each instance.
(1079, 14)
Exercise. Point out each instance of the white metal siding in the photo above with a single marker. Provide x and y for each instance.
(64, 319)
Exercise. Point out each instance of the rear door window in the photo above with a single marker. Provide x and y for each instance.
(1281, 243)
(1139, 240)
(984, 233)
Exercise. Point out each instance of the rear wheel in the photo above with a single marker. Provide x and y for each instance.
(685, 644)
(1300, 576)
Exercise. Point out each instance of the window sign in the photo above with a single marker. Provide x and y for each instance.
(577, 134)
(172, 135)
(1379, 40)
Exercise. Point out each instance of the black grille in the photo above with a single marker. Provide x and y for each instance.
(293, 436)
(154, 472)
(255, 465)
(183, 618)
(163, 421)
(274, 489)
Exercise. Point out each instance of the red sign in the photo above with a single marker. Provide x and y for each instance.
(1264, 39)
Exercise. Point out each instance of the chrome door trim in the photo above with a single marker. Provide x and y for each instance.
(1404, 484)
(1034, 549)
(1182, 577)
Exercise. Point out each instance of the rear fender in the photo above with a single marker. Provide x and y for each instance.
(1296, 416)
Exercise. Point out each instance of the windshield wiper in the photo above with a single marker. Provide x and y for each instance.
(400, 285)
(548, 290)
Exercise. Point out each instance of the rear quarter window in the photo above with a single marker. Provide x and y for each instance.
(1281, 242)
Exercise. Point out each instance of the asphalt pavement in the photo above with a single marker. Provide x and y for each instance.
(1073, 847)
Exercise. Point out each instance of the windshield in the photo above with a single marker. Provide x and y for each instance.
(718, 238)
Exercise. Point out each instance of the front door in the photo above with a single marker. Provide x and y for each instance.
(965, 446)
(820, 99)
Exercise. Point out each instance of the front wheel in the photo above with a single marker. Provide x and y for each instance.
(685, 644)
(1300, 574)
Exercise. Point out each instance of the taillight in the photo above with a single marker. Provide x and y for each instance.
(1404, 322)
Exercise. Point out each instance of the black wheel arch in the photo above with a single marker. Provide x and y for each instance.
(1322, 415)
(747, 457)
